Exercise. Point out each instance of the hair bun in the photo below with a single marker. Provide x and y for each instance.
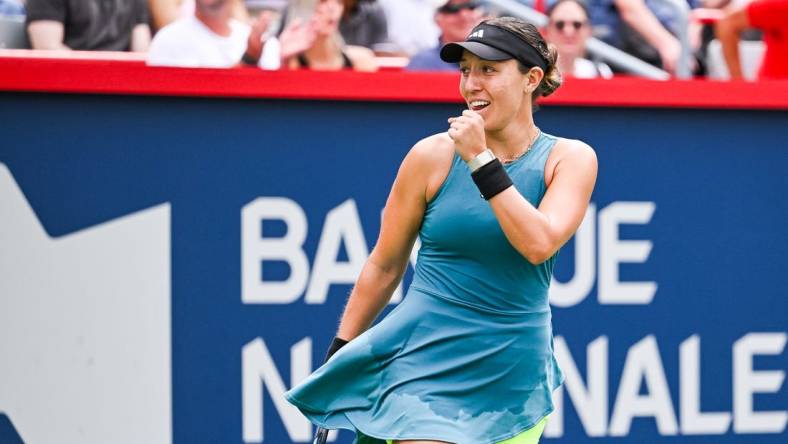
(552, 78)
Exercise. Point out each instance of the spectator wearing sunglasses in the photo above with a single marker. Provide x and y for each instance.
(568, 29)
(455, 19)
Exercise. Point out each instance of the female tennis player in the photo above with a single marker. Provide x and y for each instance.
(467, 357)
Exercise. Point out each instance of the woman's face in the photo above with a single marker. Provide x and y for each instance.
(568, 29)
(495, 90)
(327, 16)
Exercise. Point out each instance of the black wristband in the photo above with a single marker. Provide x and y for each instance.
(491, 179)
(249, 60)
(336, 344)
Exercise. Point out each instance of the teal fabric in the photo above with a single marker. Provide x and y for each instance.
(467, 356)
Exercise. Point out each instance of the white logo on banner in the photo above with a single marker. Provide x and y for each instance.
(342, 226)
(85, 343)
(612, 252)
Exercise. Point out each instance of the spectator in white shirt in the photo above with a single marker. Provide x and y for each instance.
(164, 12)
(212, 38)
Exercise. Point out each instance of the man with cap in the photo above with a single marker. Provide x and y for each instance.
(455, 19)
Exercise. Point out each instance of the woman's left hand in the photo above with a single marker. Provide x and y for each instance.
(467, 132)
(296, 38)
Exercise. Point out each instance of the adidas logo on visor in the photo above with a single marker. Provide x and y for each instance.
(477, 34)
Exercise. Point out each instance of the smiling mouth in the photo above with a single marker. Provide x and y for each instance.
(478, 105)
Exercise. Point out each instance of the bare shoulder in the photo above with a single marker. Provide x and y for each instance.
(573, 154)
(431, 159)
(572, 147)
(436, 148)
(363, 58)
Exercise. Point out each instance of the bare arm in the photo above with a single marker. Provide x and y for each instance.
(386, 264)
(163, 12)
(538, 233)
(46, 34)
(637, 15)
(363, 58)
(140, 38)
(727, 30)
(254, 42)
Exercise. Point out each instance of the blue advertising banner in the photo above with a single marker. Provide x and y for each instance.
(170, 266)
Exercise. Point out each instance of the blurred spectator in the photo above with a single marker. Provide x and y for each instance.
(213, 38)
(568, 29)
(455, 19)
(328, 52)
(411, 24)
(364, 24)
(254, 7)
(11, 8)
(639, 28)
(164, 12)
(771, 16)
(89, 25)
(537, 5)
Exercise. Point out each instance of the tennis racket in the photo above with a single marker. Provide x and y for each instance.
(320, 436)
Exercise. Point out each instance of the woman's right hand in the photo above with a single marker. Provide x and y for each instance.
(467, 132)
(254, 43)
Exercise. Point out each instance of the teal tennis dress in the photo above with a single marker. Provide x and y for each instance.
(467, 356)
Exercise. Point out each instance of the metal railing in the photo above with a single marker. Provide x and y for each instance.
(682, 12)
(610, 54)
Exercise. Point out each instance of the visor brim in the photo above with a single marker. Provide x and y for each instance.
(452, 52)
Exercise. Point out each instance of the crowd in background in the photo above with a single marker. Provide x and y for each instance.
(359, 34)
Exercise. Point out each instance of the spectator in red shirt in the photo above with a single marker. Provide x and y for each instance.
(771, 17)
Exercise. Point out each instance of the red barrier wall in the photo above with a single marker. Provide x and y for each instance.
(127, 74)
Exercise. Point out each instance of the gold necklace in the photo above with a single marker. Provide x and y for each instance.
(527, 148)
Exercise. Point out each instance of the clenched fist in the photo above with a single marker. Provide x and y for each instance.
(467, 132)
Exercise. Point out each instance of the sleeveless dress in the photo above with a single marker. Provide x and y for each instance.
(467, 356)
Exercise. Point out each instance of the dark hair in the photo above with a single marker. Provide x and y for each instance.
(580, 3)
(531, 36)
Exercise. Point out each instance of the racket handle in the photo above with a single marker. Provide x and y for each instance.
(320, 436)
